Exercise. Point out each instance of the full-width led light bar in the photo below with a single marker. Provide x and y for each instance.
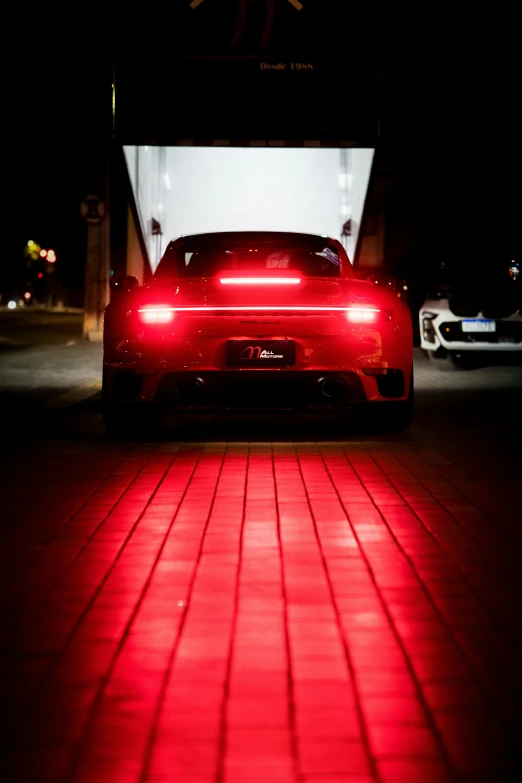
(164, 314)
(260, 280)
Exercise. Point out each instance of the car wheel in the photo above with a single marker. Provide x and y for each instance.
(114, 419)
(447, 361)
(128, 418)
(400, 414)
(387, 416)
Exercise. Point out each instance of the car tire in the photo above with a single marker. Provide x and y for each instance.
(400, 414)
(128, 418)
(447, 361)
(387, 416)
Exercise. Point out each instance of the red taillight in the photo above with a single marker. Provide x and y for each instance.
(260, 280)
(163, 314)
(156, 315)
(362, 315)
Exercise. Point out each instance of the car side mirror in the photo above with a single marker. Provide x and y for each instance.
(119, 285)
(383, 281)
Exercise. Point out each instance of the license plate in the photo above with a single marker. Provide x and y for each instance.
(261, 353)
(478, 325)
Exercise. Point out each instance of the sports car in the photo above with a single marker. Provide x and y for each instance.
(256, 321)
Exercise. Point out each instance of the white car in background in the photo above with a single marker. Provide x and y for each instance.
(458, 322)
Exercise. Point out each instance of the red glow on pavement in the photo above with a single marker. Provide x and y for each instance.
(256, 612)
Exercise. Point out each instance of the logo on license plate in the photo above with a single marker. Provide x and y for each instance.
(255, 352)
(273, 353)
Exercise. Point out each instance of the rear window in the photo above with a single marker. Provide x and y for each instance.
(207, 256)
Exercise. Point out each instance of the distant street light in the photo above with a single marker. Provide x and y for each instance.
(32, 251)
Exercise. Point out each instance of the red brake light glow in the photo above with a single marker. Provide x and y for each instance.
(156, 315)
(260, 280)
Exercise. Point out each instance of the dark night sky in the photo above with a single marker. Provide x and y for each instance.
(450, 92)
(57, 116)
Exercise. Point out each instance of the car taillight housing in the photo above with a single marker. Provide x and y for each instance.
(367, 315)
(156, 314)
(362, 315)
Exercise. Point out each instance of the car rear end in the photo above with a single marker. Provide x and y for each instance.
(301, 334)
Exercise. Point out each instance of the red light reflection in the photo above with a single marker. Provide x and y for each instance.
(248, 612)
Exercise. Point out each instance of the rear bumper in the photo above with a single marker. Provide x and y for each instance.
(250, 389)
(259, 390)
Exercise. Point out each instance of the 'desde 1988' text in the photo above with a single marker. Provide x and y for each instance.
(298, 66)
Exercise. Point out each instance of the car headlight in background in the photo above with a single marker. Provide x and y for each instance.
(428, 330)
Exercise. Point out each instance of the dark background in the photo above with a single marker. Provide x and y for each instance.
(449, 95)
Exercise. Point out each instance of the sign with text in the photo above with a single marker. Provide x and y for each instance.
(238, 70)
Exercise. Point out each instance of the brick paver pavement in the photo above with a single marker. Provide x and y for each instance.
(247, 612)
(337, 608)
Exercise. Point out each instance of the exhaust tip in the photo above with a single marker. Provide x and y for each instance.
(332, 388)
(192, 391)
